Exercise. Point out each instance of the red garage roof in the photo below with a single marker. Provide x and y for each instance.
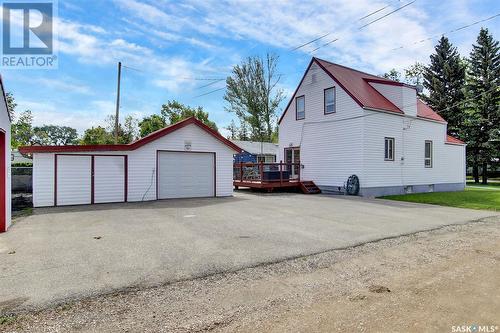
(131, 146)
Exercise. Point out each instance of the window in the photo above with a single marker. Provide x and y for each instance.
(330, 100)
(300, 107)
(389, 149)
(266, 158)
(428, 154)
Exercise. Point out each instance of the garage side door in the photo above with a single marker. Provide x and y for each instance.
(73, 180)
(109, 179)
(185, 175)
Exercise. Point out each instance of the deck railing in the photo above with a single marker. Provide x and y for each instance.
(266, 172)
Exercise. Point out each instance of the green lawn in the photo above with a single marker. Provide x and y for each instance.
(475, 198)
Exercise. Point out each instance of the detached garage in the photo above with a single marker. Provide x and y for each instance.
(185, 160)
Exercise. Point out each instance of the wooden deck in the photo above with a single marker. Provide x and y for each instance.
(270, 176)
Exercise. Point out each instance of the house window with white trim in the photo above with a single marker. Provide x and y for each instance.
(329, 100)
(300, 107)
(389, 149)
(428, 154)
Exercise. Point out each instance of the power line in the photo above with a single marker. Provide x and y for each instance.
(329, 33)
(210, 92)
(449, 32)
(365, 25)
(210, 84)
(390, 13)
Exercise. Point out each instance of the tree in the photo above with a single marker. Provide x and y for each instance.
(127, 132)
(253, 96)
(54, 135)
(22, 130)
(173, 112)
(11, 104)
(97, 136)
(414, 74)
(233, 130)
(150, 124)
(393, 74)
(483, 121)
(444, 79)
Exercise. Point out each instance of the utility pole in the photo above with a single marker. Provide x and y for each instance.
(117, 115)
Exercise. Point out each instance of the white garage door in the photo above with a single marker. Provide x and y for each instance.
(76, 186)
(109, 179)
(73, 185)
(185, 175)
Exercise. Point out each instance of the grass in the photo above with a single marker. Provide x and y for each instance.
(487, 198)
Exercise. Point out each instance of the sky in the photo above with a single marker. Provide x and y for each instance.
(171, 48)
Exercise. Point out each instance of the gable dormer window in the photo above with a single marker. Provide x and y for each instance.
(300, 107)
(329, 100)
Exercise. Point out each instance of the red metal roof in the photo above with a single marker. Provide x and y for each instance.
(133, 145)
(356, 84)
(425, 111)
(453, 140)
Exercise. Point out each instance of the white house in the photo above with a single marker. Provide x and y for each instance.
(341, 122)
(185, 160)
(5, 192)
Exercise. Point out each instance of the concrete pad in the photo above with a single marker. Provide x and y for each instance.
(70, 252)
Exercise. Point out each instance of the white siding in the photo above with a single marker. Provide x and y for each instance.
(331, 145)
(351, 141)
(185, 175)
(142, 165)
(405, 98)
(142, 162)
(5, 126)
(109, 179)
(43, 180)
(408, 165)
(73, 180)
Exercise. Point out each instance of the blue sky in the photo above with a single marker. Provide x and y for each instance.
(169, 43)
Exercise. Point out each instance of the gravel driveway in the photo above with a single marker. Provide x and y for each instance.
(59, 254)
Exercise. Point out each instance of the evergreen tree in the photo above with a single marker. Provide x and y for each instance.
(444, 78)
(483, 89)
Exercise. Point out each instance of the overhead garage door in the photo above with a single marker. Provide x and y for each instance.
(73, 180)
(109, 179)
(186, 175)
(86, 179)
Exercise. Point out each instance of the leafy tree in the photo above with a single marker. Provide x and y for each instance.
(97, 136)
(150, 124)
(54, 135)
(483, 121)
(444, 79)
(173, 112)
(393, 74)
(253, 96)
(127, 132)
(22, 130)
(11, 104)
(414, 74)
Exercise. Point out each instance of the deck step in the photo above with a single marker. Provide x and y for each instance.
(308, 187)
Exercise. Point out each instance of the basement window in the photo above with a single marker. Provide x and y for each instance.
(389, 149)
(428, 154)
